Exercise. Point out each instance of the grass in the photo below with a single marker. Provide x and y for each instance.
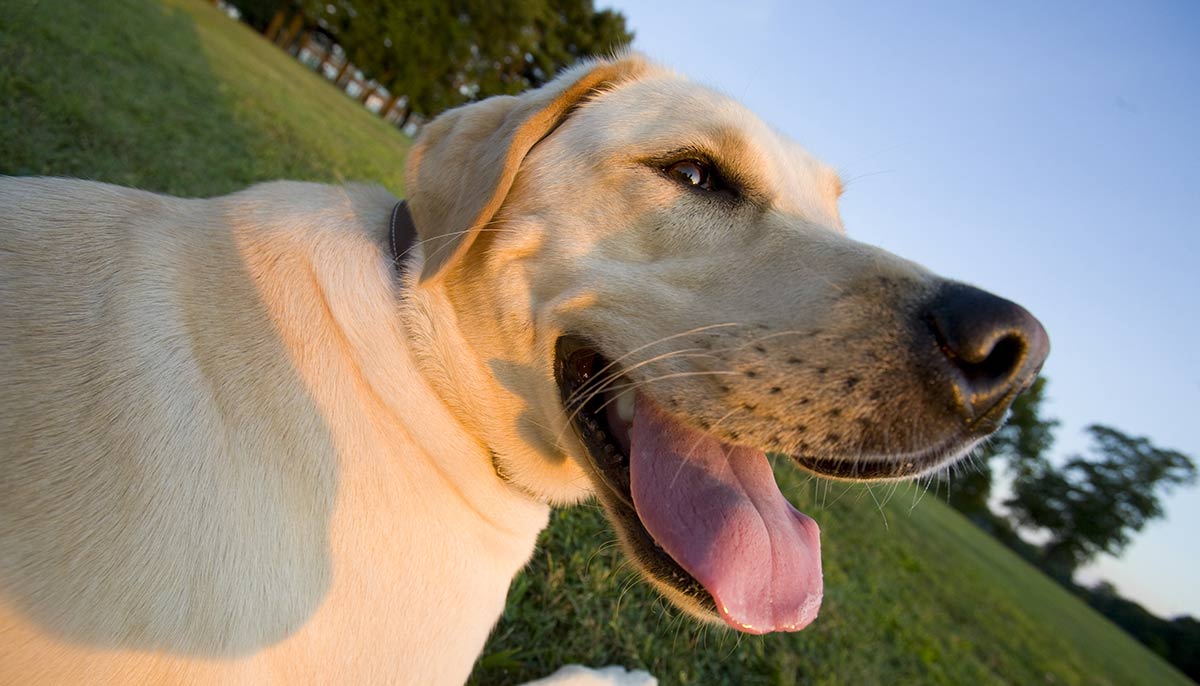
(914, 594)
(173, 96)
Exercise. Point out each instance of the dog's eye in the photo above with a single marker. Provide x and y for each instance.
(693, 173)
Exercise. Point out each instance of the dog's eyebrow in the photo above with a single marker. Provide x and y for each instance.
(727, 150)
(740, 160)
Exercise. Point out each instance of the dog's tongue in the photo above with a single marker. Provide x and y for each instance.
(715, 509)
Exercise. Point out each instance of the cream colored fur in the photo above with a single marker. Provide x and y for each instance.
(236, 448)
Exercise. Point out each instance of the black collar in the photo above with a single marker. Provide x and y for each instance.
(402, 233)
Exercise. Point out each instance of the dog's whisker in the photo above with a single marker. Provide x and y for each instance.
(618, 373)
(676, 375)
(636, 384)
(449, 234)
(609, 384)
(689, 332)
(769, 336)
(600, 549)
(596, 387)
(925, 492)
(449, 244)
(892, 494)
(878, 506)
(626, 588)
(849, 487)
(605, 385)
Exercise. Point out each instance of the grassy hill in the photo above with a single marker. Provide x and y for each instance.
(173, 96)
(914, 594)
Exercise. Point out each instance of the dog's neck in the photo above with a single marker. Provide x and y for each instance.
(484, 383)
(481, 379)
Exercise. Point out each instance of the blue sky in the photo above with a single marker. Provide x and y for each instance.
(1044, 151)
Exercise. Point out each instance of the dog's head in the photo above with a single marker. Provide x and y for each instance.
(656, 290)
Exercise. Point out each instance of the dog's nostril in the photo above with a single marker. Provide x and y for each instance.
(996, 363)
(994, 346)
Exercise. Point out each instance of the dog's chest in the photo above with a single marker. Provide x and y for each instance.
(414, 583)
(418, 583)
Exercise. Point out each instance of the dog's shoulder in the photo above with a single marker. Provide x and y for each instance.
(315, 205)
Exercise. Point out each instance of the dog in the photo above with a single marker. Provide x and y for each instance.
(270, 438)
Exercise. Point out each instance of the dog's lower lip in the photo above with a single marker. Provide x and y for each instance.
(869, 469)
(860, 470)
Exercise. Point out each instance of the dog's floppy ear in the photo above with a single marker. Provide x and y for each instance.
(464, 162)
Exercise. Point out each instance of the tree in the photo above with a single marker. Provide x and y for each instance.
(566, 31)
(260, 13)
(523, 44)
(413, 47)
(1023, 440)
(501, 36)
(1095, 506)
(1175, 639)
(439, 54)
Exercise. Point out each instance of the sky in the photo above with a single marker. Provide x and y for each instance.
(1047, 152)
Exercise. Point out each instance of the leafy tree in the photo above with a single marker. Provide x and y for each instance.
(258, 13)
(525, 43)
(1094, 506)
(501, 36)
(439, 54)
(1023, 440)
(1183, 639)
(567, 31)
(1175, 639)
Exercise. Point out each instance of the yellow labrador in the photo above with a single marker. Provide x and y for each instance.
(241, 441)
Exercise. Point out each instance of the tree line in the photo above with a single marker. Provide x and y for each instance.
(436, 54)
(1087, 505)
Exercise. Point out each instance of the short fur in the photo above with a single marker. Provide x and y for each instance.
(236, 448)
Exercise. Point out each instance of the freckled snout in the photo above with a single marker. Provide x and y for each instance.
(991, 349)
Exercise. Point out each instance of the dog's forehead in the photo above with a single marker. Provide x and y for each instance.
(666, 112)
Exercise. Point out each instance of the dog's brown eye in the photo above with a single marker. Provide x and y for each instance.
(693, 173)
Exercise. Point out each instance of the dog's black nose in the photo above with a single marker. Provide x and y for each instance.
(993, 347)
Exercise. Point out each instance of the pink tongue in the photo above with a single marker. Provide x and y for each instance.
(716, 510)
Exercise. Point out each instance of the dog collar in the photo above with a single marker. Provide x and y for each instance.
(402, 233)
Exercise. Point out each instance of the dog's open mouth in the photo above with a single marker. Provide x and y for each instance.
(703, 518)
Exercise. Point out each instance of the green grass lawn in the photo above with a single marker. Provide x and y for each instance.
(914, 594)
(173, 96)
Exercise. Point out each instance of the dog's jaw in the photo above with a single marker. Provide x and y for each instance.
(702, 519)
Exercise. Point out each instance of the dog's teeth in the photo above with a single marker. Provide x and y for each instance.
(625, 406)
